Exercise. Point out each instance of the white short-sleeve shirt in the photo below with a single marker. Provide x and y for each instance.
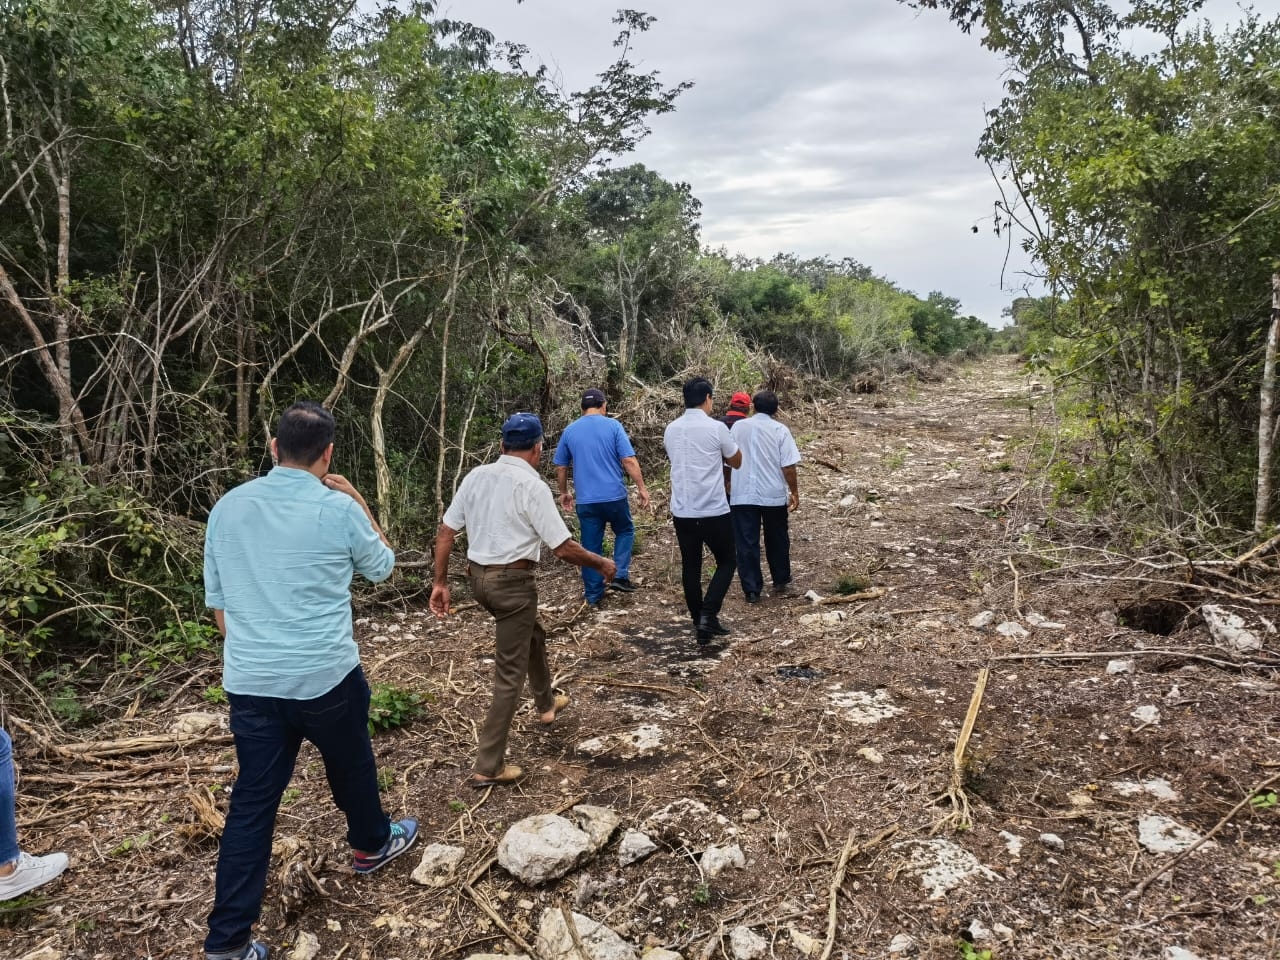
(767, 447)
(697, 446)
(508, 512)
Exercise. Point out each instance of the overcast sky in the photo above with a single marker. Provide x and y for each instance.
(818, 127)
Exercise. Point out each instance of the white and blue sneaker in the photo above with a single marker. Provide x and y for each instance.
(30, 872)
(403, 833)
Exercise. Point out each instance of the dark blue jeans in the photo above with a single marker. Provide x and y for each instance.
(747, 521)
(716, 535)
(592, 518)
(268, 732)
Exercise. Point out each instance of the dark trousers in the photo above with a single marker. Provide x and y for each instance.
(747, 521)
(268, 732)
(716, 534)
(520, 651)
(592, 518)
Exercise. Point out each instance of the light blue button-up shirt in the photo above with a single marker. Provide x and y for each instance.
(279, 555)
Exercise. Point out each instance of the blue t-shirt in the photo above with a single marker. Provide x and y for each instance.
(279, 555)
(593, 445)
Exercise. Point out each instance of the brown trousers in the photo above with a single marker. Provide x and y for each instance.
(521, 650)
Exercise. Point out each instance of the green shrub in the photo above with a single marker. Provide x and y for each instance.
(391, 706)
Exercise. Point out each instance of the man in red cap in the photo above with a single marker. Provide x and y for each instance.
(739, 407)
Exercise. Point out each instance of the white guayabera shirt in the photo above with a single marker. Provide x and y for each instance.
(508, 512)
(697, 446)
(767, 447)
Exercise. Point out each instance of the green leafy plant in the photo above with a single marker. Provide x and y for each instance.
(290, 796)
(214, 694)
(969, 952)
(457, 806)
(852, 581)
(391, 706)
(386, 779)
(702, 894)
(1264, 801)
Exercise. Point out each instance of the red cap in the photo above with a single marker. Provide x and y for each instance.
(740, 399)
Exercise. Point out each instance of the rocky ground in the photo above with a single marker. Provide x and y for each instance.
(802, 789)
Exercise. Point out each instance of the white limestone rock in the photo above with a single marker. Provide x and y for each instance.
(438, 866)
(197, 722)
(1161, 834)
(555, 942)
(1012, 629)
(746, 944)
(942, 865)
(306, 947)
(634, 846)
(598, 823)
(543, 847)
(983, 619)
(716, 860)
(1228, 629)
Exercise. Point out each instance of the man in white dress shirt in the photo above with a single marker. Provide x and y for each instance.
(762, 492)
(508, 512)
(699, 447)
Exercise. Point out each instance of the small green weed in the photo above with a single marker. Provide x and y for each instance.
(702, 894)
(386, 780)
(391, 706)
(457, 806)
(894, 460)
(130, 844)
(852, 581)
(1264, 801)
(290, 796)
(215, 695)
(969, 952)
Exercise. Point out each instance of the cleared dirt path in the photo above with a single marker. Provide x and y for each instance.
(820, 730)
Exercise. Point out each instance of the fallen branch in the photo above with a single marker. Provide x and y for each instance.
(572, 926)
(1017, 601)
(148, 743)
(837, 880)
(1100, 654)
(1164, 868)
(980, 511)
(639, 686)
(959, 815)
(874, 594)
(501, 924)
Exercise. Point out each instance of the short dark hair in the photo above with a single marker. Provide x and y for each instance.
(696, 392)
(518, 445)
(304, 432)
(766, 401)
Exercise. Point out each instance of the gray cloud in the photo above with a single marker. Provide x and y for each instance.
(814, 126)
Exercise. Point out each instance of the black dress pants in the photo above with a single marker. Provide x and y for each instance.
(716, 535)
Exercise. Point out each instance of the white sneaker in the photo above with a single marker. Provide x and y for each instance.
(32, 872)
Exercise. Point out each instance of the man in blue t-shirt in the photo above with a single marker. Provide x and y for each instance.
(600, 454)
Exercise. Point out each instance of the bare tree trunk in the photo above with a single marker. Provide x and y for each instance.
(1266, 413)
(441, 449)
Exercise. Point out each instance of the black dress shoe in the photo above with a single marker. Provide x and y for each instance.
(711, 627)
(753, 598)
(622, 585)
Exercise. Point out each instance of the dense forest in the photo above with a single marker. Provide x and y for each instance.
(212, 208)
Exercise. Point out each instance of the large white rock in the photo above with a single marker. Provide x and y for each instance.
(983, 619)
(555, 942)
(1012, 629)
(687, 821)
(438, 865)
(543, 847)
(198, 722)
(806, 944)
(942, 865)
(640, 742)
(659, 953)
(634, 846)
(746, 944)
(716, 860)
(1163, 835)
(1177, 953)
(1228, 629)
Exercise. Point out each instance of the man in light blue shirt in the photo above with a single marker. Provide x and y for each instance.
(279, 555)
(762, 492)
(600, 454)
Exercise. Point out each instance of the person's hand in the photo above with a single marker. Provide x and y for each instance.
(336, 481)
(439, 602)
(644, 499)
(608, 569)
(566, 502)
(794, 505)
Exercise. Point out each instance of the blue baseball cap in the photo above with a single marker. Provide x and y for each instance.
(522, 428)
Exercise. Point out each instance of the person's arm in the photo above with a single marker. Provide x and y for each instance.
(439, 602)
(336, 481)
(734, 461)
(220, 618)
(571, 551)
(729, 449)
(632, 466)
(562, 481)
(789, 474)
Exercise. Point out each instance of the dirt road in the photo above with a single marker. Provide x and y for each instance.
(821, 741)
